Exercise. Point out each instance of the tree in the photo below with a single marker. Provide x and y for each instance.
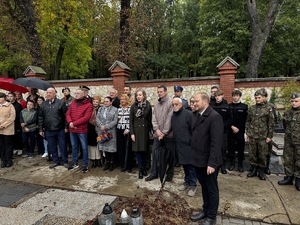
(23, 12)
(260, 33)
(124, 30)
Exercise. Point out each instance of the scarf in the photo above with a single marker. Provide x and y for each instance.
(141, 107)
(93, 116)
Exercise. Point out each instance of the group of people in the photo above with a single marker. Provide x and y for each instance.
(200, 136)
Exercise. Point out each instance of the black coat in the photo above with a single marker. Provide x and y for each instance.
(223, 109)
(207, 140)
(140, 127)
(239, 112)
(182, 124)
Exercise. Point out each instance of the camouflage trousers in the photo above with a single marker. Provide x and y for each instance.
(291, 157)
(258, 151)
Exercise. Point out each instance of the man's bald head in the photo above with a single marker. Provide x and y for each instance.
(50, 93)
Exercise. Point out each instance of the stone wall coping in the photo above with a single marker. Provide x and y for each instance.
(174, 79)
(79, 80)
(266, 79)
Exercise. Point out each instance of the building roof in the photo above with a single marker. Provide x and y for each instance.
(228, 59)
(35, 69)
(120, 64)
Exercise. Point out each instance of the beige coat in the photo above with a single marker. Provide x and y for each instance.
(7, 119)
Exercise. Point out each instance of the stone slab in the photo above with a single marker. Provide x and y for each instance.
(70, 204)
(13, 216)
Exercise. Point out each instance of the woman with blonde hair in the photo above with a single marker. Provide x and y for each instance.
(140, 127)
(94, 153)
(123, 136)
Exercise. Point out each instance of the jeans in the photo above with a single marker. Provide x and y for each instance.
(55, 137)
(83, 141)
(190, 177)
(29, 141)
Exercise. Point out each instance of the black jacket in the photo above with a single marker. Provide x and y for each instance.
(239, 112)
(207, 140)
(223, 109)
(52, 117)
(182, 124)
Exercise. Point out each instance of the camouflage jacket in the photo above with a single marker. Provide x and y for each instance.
(291, 123)
(260, 121)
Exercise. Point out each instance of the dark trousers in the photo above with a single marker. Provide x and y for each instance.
(236, 143)
(110, 156)
(224, 146)
(210, 191)
(29, 141)
(6, 145)
(190, 177)
(124, 149)
(169, 145)
(55, 137)
(18, 143)
(141, 158)
(39, 142)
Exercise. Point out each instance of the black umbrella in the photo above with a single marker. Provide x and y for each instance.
(33, 83)
(162, 159)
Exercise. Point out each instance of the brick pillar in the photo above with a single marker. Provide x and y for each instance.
(227, 70)
(120, 76)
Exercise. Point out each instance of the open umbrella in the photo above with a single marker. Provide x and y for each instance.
(33, 83)
(6, 84)
(162, 159)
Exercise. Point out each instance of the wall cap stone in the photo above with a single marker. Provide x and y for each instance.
(78, 80)
(174, 79)
(228, 59)
(266, 79)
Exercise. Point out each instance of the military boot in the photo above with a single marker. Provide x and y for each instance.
(240, 166)
(297, 183)
(261, 173)
(252, 172)
(287, 180)
(232, 165)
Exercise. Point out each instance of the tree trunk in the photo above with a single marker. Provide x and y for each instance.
(124, 31)
(23, 12)
(260, 33)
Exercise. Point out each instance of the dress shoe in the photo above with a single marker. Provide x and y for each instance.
(151, 177)
(287, 180)
(53, 166)
(232, 165)
(3, 164)
(145, 172)
(169, 179)
(141, 174)
(9, 164)
(198, 216)
(208, 221)
(297, 183)
(240, 167)
(223, 170)
(111, 166)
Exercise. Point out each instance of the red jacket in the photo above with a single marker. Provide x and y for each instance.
(79, 115)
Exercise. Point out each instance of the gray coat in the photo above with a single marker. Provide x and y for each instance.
(182, 124)
(140, 127)
(110, 123)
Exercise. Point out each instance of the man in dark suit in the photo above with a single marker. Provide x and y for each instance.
(207, 140)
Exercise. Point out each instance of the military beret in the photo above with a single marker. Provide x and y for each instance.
(86, 88)
(261, 92)
(295, 95)
(65, 88)
(178, 88)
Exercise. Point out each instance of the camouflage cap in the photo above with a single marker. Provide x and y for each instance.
(261, 92)
(295, 95)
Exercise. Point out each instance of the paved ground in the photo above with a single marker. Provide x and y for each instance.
(31, 193)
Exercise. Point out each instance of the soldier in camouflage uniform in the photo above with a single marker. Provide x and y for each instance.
(291, 152)
(274, 110)
(259, 131)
